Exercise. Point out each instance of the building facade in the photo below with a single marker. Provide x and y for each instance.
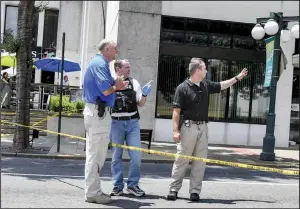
(160, 38)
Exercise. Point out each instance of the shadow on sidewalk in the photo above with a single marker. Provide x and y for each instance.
(46, 168)
(222, 201)
(127, 203)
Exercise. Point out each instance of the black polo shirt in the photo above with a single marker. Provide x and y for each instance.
(193, 100)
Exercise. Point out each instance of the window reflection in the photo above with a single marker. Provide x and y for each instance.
(11, 19)
(243, 43)
(260, 45)
(220, 41)
(171, 72)
(196, 39)
(239, 99)
(50, 30)
(217, 70)
(170, 36)
(260, 95)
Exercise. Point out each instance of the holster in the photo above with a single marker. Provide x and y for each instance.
(101, 107)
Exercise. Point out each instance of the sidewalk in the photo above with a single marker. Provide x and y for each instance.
(46, 147)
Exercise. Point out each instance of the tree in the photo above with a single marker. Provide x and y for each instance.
(24, 65)
(22, 46)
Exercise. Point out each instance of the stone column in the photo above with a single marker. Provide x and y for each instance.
(69, 21)
(138, 41)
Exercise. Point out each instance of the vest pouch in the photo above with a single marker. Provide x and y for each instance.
(118, 104)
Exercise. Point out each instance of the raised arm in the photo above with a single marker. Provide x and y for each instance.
(104, 84)
(230, 82)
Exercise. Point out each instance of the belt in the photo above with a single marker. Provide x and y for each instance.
(125, 117)
(194, 122)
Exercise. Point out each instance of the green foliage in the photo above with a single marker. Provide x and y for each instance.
(41, 6)
(10, 43)
(79, 105)
(67, 106)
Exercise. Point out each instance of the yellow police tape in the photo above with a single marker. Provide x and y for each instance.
(233, 164)
(7, 134)
(50, 113)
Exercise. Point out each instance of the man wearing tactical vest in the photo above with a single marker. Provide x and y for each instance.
(125, 128)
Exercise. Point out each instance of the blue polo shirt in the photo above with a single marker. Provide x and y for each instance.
(98, 79)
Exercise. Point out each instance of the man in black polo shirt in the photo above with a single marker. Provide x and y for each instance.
(190, 131)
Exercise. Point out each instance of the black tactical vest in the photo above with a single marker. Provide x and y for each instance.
(125, 99)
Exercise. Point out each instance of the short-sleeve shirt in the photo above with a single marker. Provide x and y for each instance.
(193, 100)
(98, 79)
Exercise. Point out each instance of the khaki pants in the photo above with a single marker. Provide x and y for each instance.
(97, 140)
(194, 142)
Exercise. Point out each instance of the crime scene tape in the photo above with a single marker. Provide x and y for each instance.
(7, 134)
(50, 113)
(46, 118)
(175, 155)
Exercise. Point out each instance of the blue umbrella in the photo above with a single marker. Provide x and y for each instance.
(52, 64)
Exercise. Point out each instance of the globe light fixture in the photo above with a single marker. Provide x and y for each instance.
(271, 27)
(258, 32)
(295, 31)
(285, 35)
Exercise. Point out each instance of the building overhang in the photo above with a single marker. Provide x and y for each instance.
(296, 60)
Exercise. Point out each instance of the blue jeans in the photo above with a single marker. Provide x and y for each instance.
(129, 131)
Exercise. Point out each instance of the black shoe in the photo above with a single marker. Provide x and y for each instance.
(172, 195)
(194, 197)
(116, 191)
(136, 191)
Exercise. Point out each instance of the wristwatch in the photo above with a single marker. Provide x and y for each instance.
(236, 78)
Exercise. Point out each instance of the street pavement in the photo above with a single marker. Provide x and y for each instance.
(58, 183)
(46, 147)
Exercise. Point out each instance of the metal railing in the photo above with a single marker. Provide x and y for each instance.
(40, 94)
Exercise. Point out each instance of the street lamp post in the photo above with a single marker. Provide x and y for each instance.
(275, 25)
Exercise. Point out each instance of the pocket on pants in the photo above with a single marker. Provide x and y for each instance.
(99, 132)
(206, 128)
(183, 129)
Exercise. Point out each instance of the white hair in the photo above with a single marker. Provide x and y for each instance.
(105, 42)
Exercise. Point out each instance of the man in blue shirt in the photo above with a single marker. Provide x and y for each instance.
(98, 84)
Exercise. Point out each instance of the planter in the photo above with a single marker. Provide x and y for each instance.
(73, 125)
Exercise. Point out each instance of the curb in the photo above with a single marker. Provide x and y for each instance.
(108, 159)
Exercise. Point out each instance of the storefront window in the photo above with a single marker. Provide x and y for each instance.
(260, 95)
(239, 94)
(171, 72)
(217, 70)
(215, 41)
(50, 30)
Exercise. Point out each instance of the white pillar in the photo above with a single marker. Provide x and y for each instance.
(40, 35)
(70, 23)
(84, 40)
(92, 28)
(284, 95)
